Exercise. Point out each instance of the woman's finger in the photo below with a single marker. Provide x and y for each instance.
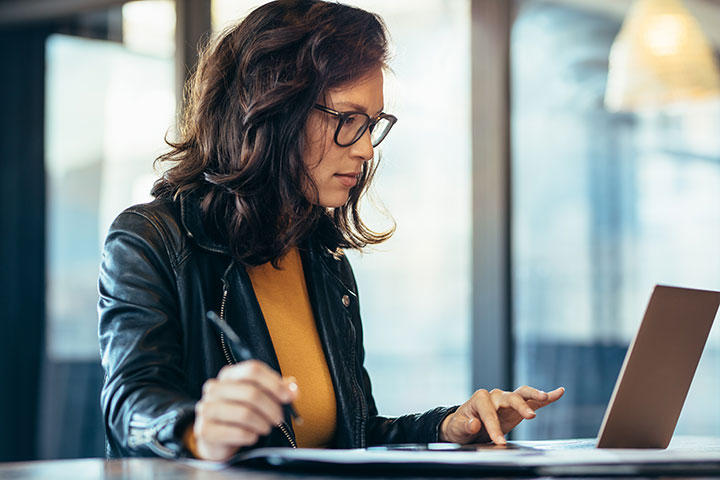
(556, 394)
(484, 406)
(222, 434)
(530, 393)
(516, 402)
(233, 414)
(264, 376)
(552, 396)
(245, 394)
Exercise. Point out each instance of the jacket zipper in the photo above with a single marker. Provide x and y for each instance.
(230, 358)
(144, 432)
(357, 388)
(284, 429)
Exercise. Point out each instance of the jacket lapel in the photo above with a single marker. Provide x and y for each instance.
(337, 336)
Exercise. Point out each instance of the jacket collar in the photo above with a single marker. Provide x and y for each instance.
(191, 217)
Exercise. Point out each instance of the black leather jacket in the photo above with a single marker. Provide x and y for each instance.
(160, 274)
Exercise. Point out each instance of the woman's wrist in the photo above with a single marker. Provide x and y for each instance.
(190, 442)
(442, 437)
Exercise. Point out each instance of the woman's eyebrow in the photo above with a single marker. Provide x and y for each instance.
(357, 107)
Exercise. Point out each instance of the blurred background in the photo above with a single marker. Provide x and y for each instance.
(540, 191)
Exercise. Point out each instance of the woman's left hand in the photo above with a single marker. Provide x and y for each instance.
(488, 416)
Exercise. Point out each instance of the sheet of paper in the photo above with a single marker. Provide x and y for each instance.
(544, 456)
(510, 457)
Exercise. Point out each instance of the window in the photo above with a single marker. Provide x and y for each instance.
(108, 109)
(415, 289)
(604, 207)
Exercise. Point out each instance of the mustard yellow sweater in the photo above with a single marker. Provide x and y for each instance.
(285, 304)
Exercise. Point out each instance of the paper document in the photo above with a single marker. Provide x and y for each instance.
(544, 458)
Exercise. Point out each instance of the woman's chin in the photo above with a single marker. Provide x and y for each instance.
(333, 201)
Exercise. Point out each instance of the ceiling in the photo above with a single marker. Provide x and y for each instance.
(22, 11)
(17, 11)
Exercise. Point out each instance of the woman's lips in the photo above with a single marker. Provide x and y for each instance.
(347, 179)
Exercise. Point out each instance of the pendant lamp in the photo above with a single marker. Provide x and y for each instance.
(660, 57)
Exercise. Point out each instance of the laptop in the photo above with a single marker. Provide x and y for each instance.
(658, 369)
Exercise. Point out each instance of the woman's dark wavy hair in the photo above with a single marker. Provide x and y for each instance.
(243, 133)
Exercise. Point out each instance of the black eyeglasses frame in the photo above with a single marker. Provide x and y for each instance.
(369, 123)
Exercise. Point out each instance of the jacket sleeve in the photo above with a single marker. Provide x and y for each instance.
(145, 403)
(413, 428)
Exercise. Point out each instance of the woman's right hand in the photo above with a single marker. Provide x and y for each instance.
(243, 403)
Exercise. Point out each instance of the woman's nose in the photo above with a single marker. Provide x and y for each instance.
(363, 147)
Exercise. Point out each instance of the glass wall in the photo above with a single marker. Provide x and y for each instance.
(109, 106)
(605, 206)
(415, 289)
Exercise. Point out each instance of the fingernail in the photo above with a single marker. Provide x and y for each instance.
(293, 392)
(501, 441)
(292, 389)
(291, 383)
(530, 411)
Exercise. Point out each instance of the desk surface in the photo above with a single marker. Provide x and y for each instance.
(129, 468)
(156, 468)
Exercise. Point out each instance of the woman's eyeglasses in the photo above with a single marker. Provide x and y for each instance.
(352, 125)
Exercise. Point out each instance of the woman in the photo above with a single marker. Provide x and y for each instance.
(277, 149)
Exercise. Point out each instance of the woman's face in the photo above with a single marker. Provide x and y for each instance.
(334, 169)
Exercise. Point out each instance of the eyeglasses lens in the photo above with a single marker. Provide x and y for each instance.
(379, 130)
(352, 128)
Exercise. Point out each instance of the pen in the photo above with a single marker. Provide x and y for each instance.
(242, 353)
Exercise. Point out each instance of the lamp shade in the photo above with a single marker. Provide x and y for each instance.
(660, 57)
